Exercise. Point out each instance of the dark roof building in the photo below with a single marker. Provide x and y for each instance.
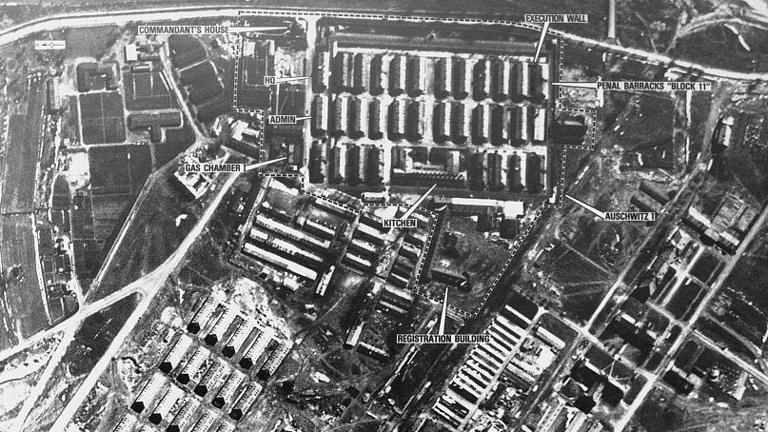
(97, 76)
(154, 122)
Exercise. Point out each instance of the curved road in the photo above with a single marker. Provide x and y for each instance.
(94, 19)
(149, 285)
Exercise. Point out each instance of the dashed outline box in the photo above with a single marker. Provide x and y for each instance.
(557, 109)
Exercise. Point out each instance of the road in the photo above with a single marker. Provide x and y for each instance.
(167, 14)
(106, 265)
(148, 286)
(617, 293)
(688, 329)
(682, 276)
(619, 285)
(84, 312)
(747, 366)
(675, 66)
(42, 381)
(168, 70)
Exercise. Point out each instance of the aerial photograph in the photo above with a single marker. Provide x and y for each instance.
(383, 216)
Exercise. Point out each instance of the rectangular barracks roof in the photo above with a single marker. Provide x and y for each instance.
(511, 209)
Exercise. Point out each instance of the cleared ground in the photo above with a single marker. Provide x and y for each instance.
(102, 118)
(152, 235)
(20, 156)
(23, 308)
(24, 297)
(146, 91)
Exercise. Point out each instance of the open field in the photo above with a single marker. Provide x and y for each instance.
(119, 169)
(20, 156)
(146, 91)
(569, 267)
(109, 211)
(176, 141)
(90, 42)
(27, 310)
(664, 411)
(91, 341)
(117, 175)
(152, 235)
(102, 118)
(463, 250)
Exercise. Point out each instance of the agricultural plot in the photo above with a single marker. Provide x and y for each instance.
(20, 154)
(26, 309)
(102, 118)
(117, 175)
(146, 91)
(176, 141)
(119, 170)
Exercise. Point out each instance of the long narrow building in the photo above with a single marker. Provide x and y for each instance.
(126, 423)
(215, 372)
(148, 393)
(279, 262)
(256, 348)
(193, 365)
(220, 326)
(245, 401)
(176, 354)
(237, 339)
(183, 419)
(227, 391)
(476, 378)
(167, 404)
(204, 423)
(203, 314)
(274, 360)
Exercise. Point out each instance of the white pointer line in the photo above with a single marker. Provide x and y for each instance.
(540, 45)
(416, 204)
(443, 313)
(588, 85)
(289, 79)
(588, 207)
(263, 164)
(254, 29)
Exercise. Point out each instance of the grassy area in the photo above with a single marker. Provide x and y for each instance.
(663, 411)
(22, 293)
(152, 235)
(90, 42)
